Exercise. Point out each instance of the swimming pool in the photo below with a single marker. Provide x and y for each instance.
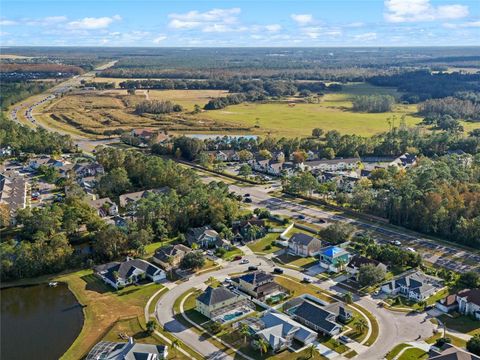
(231, 316)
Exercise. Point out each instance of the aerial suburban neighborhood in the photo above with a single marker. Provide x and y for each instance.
(238, 180)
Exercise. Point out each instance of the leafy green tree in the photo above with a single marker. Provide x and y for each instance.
(245, 171)
(370, 274)
(473, 345)
(337, 232)
(193, 260)
(114, 183)
(151, 326)
(110, 242)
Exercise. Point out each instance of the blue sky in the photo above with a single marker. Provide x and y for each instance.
(240, 23)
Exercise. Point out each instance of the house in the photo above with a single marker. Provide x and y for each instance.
(331, 165)
(413, 285)
(147, 136)
(357, 261)
(105, 207)
(223, 155)
(170, 256)
(304, 245)
(83, 170)
(258, 284)
(321, 318)
(205, 237)
(132, 198)
(243, 230)
(120, 274)
(334, 258)
(13, 193)
(279, 330)
(131, 350)
(6, 151)
(46, 160)
(466, 302)
(404, 161)
(214, 302)
(450, 352)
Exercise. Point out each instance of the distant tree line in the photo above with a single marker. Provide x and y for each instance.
(421, 85)
(373, 103)
(12, 92)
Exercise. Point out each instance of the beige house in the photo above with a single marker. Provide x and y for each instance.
(216, 301)
(304, 245)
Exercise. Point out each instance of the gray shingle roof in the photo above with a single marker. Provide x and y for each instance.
(217, 295)
(302, 239)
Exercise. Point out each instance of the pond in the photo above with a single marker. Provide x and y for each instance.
(38, 322)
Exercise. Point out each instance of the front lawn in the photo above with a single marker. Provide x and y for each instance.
(265, 245)
(414, 354)
(395, 351)
(455, 341)
(463, 324)
(301, 262)
(230, 255)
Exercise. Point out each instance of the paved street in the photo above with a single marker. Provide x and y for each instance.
(395, 327)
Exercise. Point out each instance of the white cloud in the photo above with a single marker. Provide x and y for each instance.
(302, 19)
(4, 33)
(159, 39)
(6, 22)
(366, 36)
(468, 24)
(46, 21)
(90, 23)
(355, 24)
(398, 11)
(273, 27)
(214, 20)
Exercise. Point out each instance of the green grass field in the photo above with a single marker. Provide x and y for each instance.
(332, 113)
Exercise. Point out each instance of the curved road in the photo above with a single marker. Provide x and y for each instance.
(394, 327)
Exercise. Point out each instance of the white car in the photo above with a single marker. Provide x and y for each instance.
(244, 261)
(411, 249)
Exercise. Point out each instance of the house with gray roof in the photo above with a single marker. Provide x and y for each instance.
(170, 256)
(414, 285)
(304, 245)
(279, 330)
(13, 193)
(120, 274)
(214, 302)
(106, 350)
(132, 198)
(258, 284)
(205, 237)
(104, 207)
(466, 302)
(357, 261)
(450, 352)
(324, 318)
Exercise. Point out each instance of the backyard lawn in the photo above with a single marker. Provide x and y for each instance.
(265, 245)
(292, 260)
(463, 324)
(102, 307)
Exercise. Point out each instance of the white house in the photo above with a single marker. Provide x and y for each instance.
(466, 302)
(414, 285)
(120, 274)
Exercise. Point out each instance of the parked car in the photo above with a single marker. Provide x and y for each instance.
(411, 249)
(238, 257)
(252, 268)
(395, 242)
(246, 195)
(244, 261)
(307, 280)
(247, 200)
(278, 271)
(344, 339)
(301, 217)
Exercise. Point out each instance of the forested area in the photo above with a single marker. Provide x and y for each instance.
(40, 141)
(457, 108)
(373, 103)
(12, 92)
(157, 107)
(439, 197)
(421, 85)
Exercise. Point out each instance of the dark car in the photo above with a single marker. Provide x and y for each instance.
(301, 217)
(278, 271)
(252, 268)
(238, 257)
(246, 195)
(247, 200)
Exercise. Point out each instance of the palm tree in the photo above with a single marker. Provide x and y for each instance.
(151, 326)
(175, 345)
(262, 344)
(311, 349)
(361, 325)
(245, 331)
(341, 264)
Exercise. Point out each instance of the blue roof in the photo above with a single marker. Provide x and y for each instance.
(332, 251)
